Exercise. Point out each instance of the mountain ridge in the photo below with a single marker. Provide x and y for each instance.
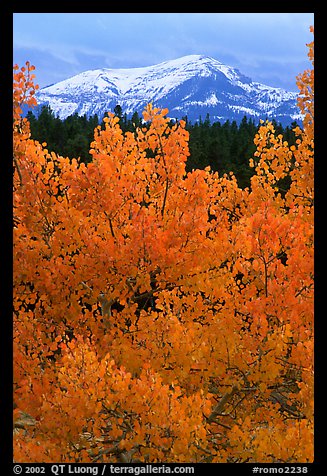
(193, 85)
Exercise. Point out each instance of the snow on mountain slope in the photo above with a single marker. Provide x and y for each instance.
(193, 85)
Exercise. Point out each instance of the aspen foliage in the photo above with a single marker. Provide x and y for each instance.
(159, 315)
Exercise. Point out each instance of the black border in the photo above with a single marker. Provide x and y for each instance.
(6, 404)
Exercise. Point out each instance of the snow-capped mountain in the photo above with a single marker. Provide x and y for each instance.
(193, 85)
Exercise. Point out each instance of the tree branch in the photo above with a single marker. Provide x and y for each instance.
(222, 403)
(165, 198)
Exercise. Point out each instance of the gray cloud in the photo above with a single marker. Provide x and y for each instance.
(267, 47)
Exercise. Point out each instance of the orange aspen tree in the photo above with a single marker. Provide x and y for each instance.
(159, 315)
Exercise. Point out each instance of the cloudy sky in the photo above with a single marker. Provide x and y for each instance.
(267, 47)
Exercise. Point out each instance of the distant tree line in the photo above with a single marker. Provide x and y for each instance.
(225, 147)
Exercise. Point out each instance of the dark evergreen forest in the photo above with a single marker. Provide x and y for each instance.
(225, 147)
